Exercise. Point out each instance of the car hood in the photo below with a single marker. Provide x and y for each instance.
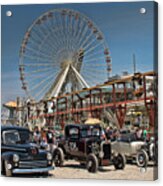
(25, 151)
(20, 147)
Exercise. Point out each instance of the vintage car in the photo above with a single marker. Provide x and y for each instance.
(84, 143)
(131, 147)
(19, 156)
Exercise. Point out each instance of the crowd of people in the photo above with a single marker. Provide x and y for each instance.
(45, 137)
(141, 133)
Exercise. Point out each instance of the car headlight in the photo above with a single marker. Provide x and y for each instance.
(15, 158)
(49, 156)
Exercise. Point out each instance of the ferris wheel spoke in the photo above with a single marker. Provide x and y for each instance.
(38, 79)
(40, 30)
(92, 48)
(33, 58)
(64, 30)
(67, 28)
(43, 90)
(39, 64)
(59, 37)
(80, 36)
(34, 40)
(60, 33)
(77, 37)
(44, 32)
(49, 45)
(52, 42)
(41, 82)
(64, 27)
(93, 54)
(86, 40)
(67, 32)
(70, 31)
(76, 22)
(89, 44)
(37, 76)
(93, 59)
(38, 70)
(31, 49)
(75, 26)
(81, 27)
(35, 36)
(90, 65)
(35, 51)
(83, 35)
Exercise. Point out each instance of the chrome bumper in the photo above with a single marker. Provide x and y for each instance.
(35, 170)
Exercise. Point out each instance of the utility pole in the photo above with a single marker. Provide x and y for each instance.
(134, 63)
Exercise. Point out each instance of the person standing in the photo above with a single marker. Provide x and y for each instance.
(36, 135)
(50, 138)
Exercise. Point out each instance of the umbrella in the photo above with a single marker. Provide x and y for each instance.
(92, 121)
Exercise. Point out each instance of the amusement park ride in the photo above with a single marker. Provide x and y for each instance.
(65, 68)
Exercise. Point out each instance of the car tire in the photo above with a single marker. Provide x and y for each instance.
(58, 157)
(142, 158)
(92, 163)
(8, 172)
(119, 161)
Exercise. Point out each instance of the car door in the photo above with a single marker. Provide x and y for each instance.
(124, 145)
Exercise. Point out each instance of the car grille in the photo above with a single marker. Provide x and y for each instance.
(107, 151)
(32, 164)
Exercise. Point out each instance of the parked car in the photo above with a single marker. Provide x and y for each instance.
(84, 143)
(19, 155)
(129, 145)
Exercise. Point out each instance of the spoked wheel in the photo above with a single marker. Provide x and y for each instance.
(58, 157)
(92, 163)
(119, 161)
(142, 158)
(61, 51)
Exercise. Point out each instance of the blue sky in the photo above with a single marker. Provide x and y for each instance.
(126, 32)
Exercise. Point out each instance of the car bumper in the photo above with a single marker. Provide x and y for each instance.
(30, 171)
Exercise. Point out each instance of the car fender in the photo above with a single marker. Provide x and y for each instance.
(7, 156)
(136, 146)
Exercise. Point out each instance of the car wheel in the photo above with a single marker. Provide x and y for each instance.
(8, 172)
(58, 157)
(92, 163)
(142, 158)
(119, 161)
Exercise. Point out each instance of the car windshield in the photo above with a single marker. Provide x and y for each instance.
(74, 132)
(127, 137)
(14, 137)
(90, 132)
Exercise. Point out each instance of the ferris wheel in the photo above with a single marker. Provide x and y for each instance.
(62, 51)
